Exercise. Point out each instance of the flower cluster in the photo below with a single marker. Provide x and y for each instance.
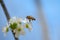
(17, 25)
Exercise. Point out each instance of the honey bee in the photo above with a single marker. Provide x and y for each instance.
(30, 18)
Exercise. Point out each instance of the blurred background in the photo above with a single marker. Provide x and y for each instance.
(46, 12)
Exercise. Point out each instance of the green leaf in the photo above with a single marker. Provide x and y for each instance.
(7, 29)
(20, 23)
(27, 26)
(19, 29)
(13, 26)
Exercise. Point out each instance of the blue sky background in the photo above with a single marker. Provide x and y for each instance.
(22, 8)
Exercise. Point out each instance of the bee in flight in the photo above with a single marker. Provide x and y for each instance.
(30, 18)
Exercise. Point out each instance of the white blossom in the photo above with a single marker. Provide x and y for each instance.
(12, 20)
(15, 20)
(5, 30)
(25, 20)
(17, 25)
(27, 24)
(17, 34)
(19, 31)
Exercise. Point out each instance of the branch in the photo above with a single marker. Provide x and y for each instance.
(7, 15)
